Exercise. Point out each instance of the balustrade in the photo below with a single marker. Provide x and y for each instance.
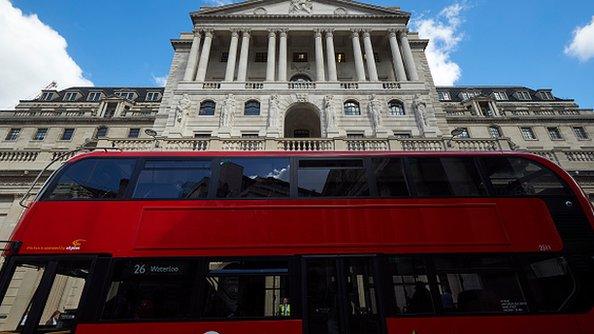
(349, 85)
(305, 145)
(302, 85)
(211, 85)
(254, 85)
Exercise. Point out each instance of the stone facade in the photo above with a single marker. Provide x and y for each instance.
(292, 75)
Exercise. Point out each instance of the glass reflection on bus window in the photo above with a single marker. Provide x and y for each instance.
(445, 177)
(254, 178)
(173, 179)
(517, 176)
(93, 179)
(332, 178)
(410, 285)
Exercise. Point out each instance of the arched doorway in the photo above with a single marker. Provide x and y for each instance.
(300, 78)
(302, 120)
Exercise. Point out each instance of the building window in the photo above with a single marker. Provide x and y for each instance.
(224, 57)
(207, 108)
(444, 96)
(251, 108)
(401, 135)
(554, 133)
(580, 133)
(94, 96)
(523, 95)
(355, 135)
(546, 95)
(340, 57)
(110, 110)
(351, 107)
(101, 132)
(47, 96)
(500, 96)
(528, 133)
(134, 133)
(261, 57)
(40, 134)
(469, 95)
(125, 95)
(249, 135)
(67, 134)
(70, 96)
(396, 108)
(202, 135)
(152, 96)
(13, 134)
(494, 131)
(300, 57)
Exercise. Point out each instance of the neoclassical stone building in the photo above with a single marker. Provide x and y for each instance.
(292, 75)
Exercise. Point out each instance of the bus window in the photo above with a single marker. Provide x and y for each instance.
(59, 313)
(92, 179)
(410, 285)
(550, 283)
(517, 176)
(332, 178)
(445, 177)
(252, 289)
(479, 285)
(389, 175)
(173, 179)
(150, 289)
(254, 178)
(18, 297)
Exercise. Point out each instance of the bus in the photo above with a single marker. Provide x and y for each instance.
(302, 243)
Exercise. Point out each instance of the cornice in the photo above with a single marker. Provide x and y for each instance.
(520, 119)
(81, 120)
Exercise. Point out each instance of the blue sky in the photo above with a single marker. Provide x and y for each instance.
(504, 42)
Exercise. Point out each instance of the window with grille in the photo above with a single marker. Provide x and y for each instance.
(207, 108)
(351, 107)
(396, 108)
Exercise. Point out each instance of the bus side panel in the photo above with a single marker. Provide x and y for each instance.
(227, 327)
(524, 224)
(515, 324)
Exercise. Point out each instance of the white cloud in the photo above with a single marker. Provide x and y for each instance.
(582, 44)
(32, 55)
(444, 34)
(160, 81)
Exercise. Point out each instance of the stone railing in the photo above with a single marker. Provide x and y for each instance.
(305, 144)
(37, 159)
(301, 85)
(349, 85)
(391, 85)
(254, 85)
(211, 85)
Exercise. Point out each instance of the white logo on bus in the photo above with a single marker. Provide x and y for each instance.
(211, 332)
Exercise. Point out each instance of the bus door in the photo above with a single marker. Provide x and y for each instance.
(42, 294)
(340, 296)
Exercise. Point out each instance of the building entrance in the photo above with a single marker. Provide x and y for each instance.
(302, 120)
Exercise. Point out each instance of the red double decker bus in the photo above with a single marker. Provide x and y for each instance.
(313, 243)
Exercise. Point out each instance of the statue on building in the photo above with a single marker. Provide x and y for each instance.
(182, 110)
(227, 110)
(329, 111)
(273, 112)
(423, 114)
(375, 112)
(301, 6)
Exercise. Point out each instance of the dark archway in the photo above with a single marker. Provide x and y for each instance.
(300, 78)
(302, 120)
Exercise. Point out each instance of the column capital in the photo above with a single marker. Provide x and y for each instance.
(366, 33)
(355, 32)
(197, 30)
(235, 32)
(246, 31)
(208, 32)
(283, 32)
(272, 32)
(328, 32)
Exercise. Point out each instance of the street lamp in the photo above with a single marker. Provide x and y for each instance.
(455, 133)
(152, 133)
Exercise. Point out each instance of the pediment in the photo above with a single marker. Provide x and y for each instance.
(299, 7)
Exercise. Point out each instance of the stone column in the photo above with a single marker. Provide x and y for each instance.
(282, 56)
(409, 61)
(204, 56)
(232, 56)
(359, 68)
(396, 56)
(330, 56)
(320, 76)
(243, 56)
(271, 61)
(190, 73)
(370, 57)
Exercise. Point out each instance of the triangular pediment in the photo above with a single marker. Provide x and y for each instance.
(299, 7)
